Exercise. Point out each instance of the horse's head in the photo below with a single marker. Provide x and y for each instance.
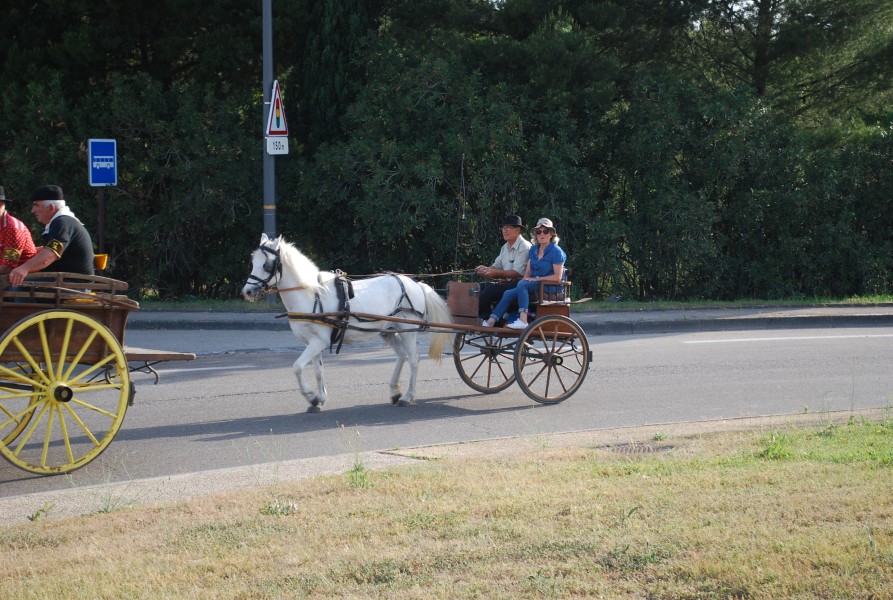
(266, 268)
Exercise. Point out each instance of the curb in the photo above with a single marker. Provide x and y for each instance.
(591, 323)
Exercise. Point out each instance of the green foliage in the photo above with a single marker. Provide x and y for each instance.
(777, 447)
(707, 149)
(185, 182)
(358, 476)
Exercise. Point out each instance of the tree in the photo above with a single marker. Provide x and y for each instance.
(798, 55)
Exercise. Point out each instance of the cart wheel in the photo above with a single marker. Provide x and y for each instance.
(552, 359)
(60, 406)
(485, 365)
(17, 422)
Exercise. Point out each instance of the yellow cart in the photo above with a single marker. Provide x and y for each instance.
(64, 374)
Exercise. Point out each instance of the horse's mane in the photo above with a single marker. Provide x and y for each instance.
(304, 269)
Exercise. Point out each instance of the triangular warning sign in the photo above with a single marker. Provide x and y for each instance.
(276, 124)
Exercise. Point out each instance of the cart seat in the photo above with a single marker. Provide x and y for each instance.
(552, 298)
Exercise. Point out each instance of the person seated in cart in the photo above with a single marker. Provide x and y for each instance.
(507, 269)
(546, 263)
(67, 244)
(16, 245)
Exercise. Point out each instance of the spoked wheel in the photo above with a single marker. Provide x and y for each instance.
(483, 361)
(552, 359)
(64, 398)
(17, 422)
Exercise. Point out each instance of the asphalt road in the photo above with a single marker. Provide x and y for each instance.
(237, 407)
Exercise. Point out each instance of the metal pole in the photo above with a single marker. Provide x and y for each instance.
(269, 160)
(100, 198)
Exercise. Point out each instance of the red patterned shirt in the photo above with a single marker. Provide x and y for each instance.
(16, 245)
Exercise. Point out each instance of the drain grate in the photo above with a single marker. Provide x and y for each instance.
(638, 448)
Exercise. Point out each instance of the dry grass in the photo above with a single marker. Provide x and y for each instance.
(792, 513)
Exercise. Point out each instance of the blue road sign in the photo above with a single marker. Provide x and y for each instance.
(103, 162)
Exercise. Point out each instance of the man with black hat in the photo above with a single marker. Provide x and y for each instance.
(16, 245)
(67, 245)
(507, 269)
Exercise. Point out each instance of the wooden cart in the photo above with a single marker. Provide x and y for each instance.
(64, 370)
(549, 359)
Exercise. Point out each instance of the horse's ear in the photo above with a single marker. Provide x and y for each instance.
(263, 238)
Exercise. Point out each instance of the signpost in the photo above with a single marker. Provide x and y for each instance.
(277, 127)
(102, 166)
(102, 170)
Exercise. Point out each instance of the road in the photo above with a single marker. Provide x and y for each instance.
(233, 407)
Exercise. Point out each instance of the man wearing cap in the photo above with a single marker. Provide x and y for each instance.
(507, 269)
(67, 245)
(16, 245)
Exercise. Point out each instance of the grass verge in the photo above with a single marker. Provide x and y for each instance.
(782, 513)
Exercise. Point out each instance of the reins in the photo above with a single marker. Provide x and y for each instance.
(415, 275)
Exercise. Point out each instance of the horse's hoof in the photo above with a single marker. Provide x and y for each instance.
(405, 403)
(395, 398)
(313, 409)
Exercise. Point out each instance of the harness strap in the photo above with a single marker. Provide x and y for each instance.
(340, 325)
(344, 288)
(273, 266)
(404, 296)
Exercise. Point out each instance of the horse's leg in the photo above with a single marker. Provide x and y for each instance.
(405, 347)
(320, 380)
(412, 350)
(397, 346)
(312, 353)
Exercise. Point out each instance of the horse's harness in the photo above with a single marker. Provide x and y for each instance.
(343, 288)
(273, 266)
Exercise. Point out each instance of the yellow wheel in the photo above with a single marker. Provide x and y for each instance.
(18, 421)
(63, 393)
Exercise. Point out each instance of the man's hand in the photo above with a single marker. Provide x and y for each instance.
(17, 275)
(483, 271)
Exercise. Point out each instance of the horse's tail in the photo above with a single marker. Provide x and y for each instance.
(437, 311)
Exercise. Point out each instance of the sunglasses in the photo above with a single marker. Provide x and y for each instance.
(542, 231)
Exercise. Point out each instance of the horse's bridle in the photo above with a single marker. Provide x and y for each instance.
(273, 266)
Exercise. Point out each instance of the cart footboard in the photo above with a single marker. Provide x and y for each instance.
(143, 360)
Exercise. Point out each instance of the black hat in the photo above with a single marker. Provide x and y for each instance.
(47, 192)
(513, 220)
(2, 194)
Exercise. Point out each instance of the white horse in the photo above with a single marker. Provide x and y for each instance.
(306, 290)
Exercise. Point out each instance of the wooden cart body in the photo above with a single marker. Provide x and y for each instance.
(549, 359)
(101, 298)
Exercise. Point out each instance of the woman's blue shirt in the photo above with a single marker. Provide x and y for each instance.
(542, 267)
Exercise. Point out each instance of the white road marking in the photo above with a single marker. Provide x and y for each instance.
(785, 339)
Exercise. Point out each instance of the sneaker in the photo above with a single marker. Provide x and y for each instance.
(486, 323)
(519, 324)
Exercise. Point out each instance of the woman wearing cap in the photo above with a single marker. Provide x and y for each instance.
(546, 264)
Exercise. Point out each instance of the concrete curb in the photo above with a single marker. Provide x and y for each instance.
(593, 323)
